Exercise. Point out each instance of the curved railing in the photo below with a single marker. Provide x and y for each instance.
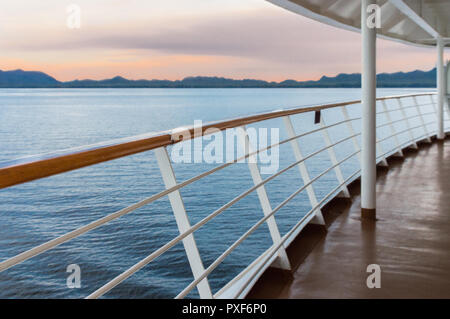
(32, 168)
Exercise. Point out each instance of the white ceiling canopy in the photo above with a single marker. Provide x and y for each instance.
(417, 22)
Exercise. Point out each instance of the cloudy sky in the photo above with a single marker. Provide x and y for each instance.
(172, 39)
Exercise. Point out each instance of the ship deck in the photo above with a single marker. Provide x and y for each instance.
(410, 241)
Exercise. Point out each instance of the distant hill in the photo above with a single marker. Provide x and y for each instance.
(26, 79)
(33, 79)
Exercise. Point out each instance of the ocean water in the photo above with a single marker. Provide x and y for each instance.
(36, 121)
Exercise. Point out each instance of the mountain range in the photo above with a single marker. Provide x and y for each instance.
(36, 79)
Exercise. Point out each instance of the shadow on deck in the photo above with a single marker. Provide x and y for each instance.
(410, 240)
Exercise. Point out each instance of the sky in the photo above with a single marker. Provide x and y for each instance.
(173, 39)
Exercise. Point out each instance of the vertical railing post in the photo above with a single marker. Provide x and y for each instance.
(352, 132)
(182, 221)
(408, 127)
(355, 140)
(380, 150)
(318, 219)
(283, 260)
(425, 129)
(344, 190)
(392, 128)
(433, 103)
(379, 147)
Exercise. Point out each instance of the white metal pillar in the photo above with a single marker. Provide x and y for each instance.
(440, 88)
(368, 130)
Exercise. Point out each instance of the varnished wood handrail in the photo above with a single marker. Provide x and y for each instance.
(36, 167)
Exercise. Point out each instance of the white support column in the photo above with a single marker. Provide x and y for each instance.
(283, 260)
(393, 131)
(182, 220)
(318, 219)
(368, 137)
(408, 126)
(419, 112)
(344, 190)
(440, 88)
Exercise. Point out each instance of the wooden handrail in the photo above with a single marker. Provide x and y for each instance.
(36, 167)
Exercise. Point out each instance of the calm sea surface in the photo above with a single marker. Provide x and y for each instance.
(35, 121)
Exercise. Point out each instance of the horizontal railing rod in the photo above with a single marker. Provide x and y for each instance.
(428, 113)
(398, 110)
(401, 120)
(402, 131)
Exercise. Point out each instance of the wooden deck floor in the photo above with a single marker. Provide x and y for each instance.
(410, 240)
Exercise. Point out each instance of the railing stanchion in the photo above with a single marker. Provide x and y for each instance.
(344, 190)
(447, 108)
(434, 103)
(405, 117)
(352, 132)
(318, 219)
(380, 151)
(422, 120)
(379, 147)
(391, 126)
(244, 141)
(182, 220)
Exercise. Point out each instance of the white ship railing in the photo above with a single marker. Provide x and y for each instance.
(52, 164)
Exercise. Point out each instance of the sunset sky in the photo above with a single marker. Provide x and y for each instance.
(172, 39)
